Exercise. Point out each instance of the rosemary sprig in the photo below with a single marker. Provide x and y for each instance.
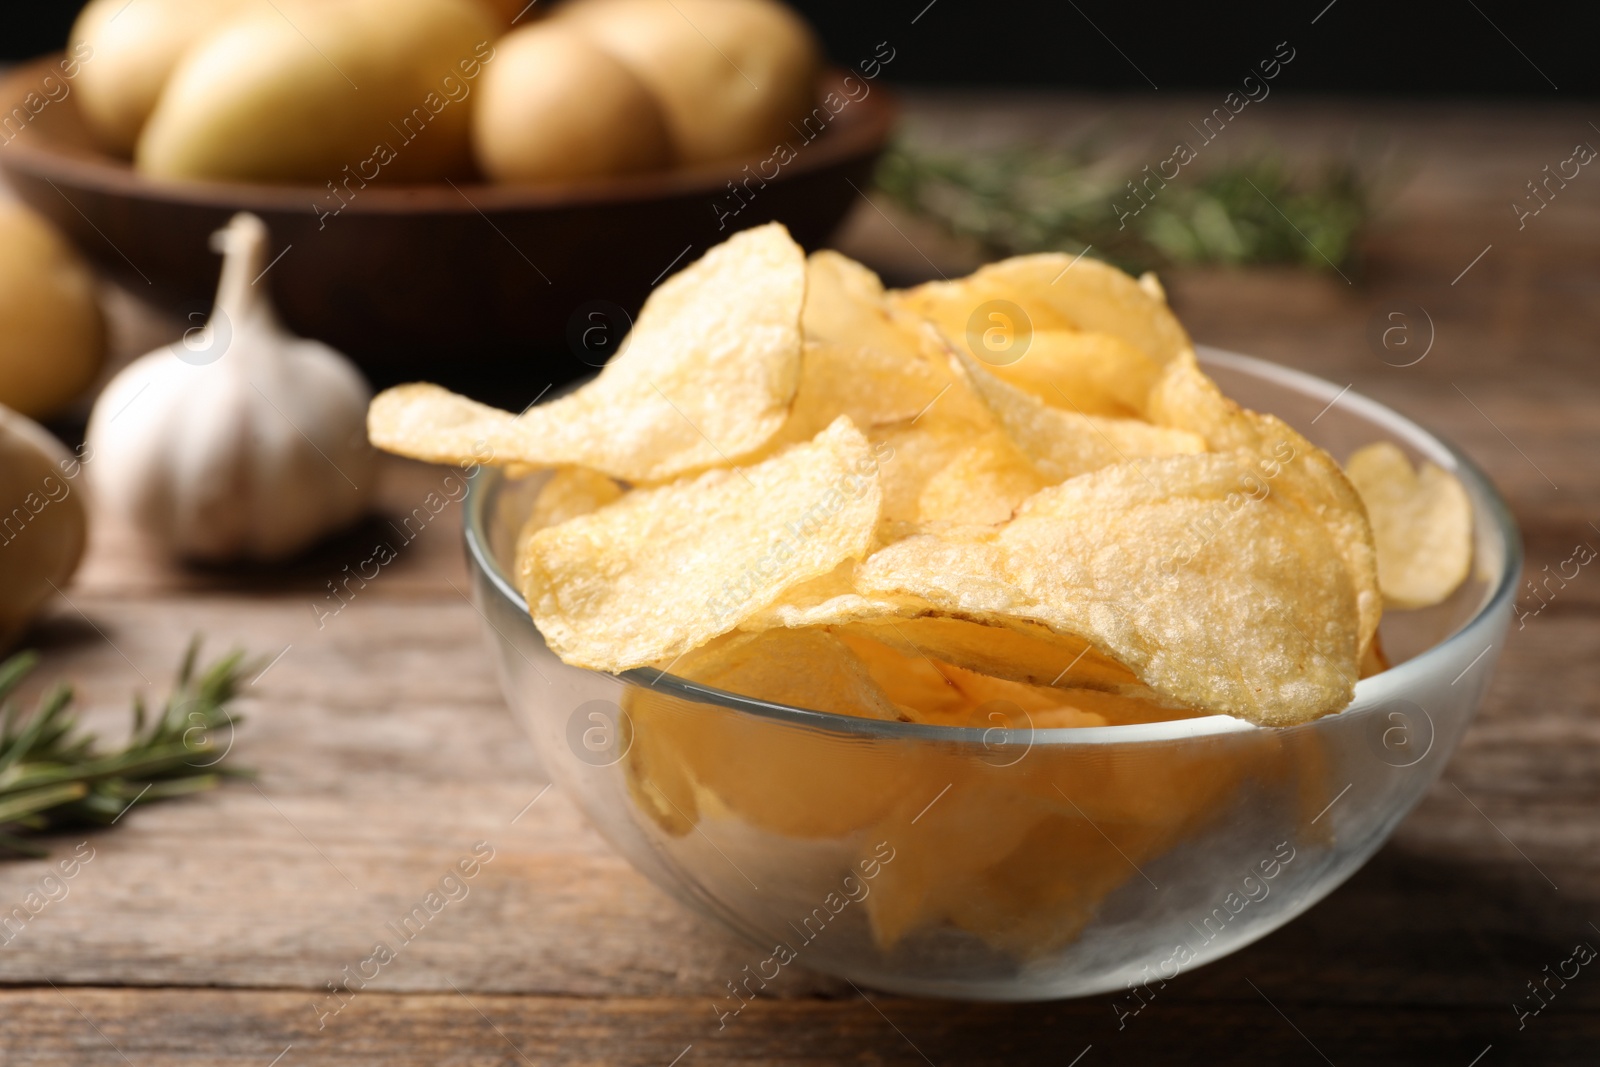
(53, 774)
(1030, 199)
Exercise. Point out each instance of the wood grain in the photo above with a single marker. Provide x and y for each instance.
(203, 930)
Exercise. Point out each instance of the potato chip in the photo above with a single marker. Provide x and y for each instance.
(933, 690)
(982, 485)
(1093, 373)
(1421, 521)
(1065, 444)
(706, 378)
(566, 494)
(874, 387)
(1055, 292)
(1283, 462)
(785, 779)
(1015, 651)
(1257, 621)
(662, 571)
(808, 669)
(846, 305)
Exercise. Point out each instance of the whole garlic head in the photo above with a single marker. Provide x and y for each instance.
(242, 441)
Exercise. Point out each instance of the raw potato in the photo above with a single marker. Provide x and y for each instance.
(705, 379)
(1422, 522)
(382, 87)
(43, 521)
(731, 75)
(131, 51)
(554, 107)
(52, 336)
(663, 571)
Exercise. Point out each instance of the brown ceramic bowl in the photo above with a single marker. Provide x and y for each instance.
(461, 282)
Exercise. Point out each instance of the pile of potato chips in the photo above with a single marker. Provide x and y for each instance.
(795, 485)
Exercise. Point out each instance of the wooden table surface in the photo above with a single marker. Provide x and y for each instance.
(207, 931)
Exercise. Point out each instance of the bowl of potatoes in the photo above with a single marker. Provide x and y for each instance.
(476, 188)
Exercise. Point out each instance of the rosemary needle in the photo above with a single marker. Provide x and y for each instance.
(1038, 199)
(54, 774)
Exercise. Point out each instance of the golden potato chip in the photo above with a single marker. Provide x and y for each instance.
(932, 690)
(874, 387)
(982, 485)
(1257, 621)
(846, 305)
(566, 494)
(664, 570)
(808, 669)
(1055, 292)
(1065, 444)
(706, 378)
(1421, 521)
(789, 780)
(1092, 373)
(1282, 462)
(1015, 651)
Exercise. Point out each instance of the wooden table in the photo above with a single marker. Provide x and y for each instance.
(207, 930)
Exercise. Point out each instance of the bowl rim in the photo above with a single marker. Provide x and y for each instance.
(1370, 693)
(860, 128)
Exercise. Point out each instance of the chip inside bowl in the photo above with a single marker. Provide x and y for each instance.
(1017, 479)
(1421, 520)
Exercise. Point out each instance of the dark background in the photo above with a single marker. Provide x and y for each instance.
(1443, 48)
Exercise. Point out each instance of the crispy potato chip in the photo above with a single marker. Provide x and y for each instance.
(1421, 521)
(981, 486)
(1258, 621)
(1092, 373)
(1065, 444)
(1374, 660)
(782, 778)
(1056, 292)
(1016, 651)
(808, 669)
(706, 378)
(1283, 462)
(846, 305)
(566, 494)
(934, 691)
(662, 571)
(875, 387)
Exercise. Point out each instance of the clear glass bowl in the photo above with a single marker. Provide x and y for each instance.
(1008, 863)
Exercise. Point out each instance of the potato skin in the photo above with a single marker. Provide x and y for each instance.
(52, 335)
(387, 86)
(131, 50)
(555, 107)
(731, 75)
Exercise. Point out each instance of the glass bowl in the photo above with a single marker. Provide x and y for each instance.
(1010, 863)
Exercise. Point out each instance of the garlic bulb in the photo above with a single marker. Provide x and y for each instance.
(242, 441)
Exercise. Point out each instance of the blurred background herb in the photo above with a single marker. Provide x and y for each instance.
(54, 775)
(1038, 199)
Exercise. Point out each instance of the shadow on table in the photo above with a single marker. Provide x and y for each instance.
(1416, 960)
